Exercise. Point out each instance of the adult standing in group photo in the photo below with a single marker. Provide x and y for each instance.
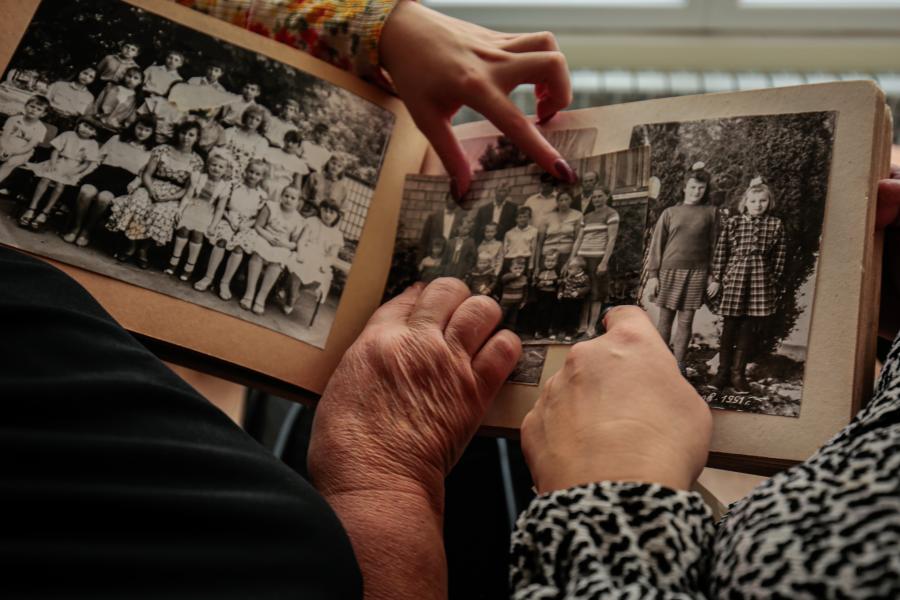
(499, 210)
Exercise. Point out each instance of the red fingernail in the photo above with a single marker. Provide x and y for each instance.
(564, 171)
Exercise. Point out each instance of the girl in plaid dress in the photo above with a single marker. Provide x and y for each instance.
(678, 264)
(747, 267)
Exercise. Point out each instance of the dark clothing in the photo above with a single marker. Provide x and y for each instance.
(738, 333)
(567, 315)
(574, 287)
(583, 203)
(512, 289)
(482, 282)
(485, 215)
(434, 229)
(684, 238)
(547, 280)
(545, 304)
(115, 470)
(459, 257)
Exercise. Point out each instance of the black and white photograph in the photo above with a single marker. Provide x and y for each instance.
(151, 153)
(732, 243)
(493, 152)
(553, 255)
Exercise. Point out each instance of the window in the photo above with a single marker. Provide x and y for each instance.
(689, 16)
(574, 15)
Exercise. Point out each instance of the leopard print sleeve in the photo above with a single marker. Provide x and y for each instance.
(830, 526)
(612, 540)
(343, 33)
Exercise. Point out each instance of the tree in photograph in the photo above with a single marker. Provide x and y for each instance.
(792, 152)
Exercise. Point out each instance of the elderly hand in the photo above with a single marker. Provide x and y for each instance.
(438, 64)
(410, 392)
(618, 410)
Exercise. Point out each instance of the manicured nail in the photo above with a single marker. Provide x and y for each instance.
(564, 171)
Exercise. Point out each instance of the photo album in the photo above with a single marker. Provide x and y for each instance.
(242, 208)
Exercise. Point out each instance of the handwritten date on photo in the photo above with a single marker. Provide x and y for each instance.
(732, 401)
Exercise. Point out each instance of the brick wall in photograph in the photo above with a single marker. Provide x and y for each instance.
(425, 194)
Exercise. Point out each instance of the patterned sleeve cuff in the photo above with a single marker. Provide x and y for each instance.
(612, 539)
(345, 34)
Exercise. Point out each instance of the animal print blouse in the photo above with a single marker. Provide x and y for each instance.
(827, 528)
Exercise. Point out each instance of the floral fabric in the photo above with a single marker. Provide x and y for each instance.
(345, 34)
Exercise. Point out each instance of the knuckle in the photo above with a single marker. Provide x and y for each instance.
(548, 39)
(517, 126)
(558, 60)
(577, 355)
(448, 285)
(508, 349)
(472, 82)
(627, 334)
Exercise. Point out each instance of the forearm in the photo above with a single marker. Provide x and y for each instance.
(626, 534)
(348, 32)
(398, 541)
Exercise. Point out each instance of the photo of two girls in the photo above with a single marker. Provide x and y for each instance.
(733, 240)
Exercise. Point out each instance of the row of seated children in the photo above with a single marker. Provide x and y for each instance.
(248, 208)
(124, 91)
(76, 155)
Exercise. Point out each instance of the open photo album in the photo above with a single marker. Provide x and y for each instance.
(243, 208)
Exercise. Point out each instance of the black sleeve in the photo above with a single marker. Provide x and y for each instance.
(119, 480)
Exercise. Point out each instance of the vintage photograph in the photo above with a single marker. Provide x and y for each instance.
(731, 247)
(155, 154)
(553, 255)
(490, 153)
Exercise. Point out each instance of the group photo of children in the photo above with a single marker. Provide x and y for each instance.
(155, 154)
(553, 255)
(733, 238)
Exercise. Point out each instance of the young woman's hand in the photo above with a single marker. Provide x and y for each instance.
(410, 392)
(712, 288)
(438, 64)
(618, 410)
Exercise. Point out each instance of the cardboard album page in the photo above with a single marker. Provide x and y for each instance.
(785, 177)
(195, 130)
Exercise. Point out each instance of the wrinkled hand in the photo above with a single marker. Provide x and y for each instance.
(410, 392)
(618, 410)
(438, 64)
(888, 218)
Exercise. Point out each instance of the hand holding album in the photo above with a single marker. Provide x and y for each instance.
(657, 432)
(432, 363)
